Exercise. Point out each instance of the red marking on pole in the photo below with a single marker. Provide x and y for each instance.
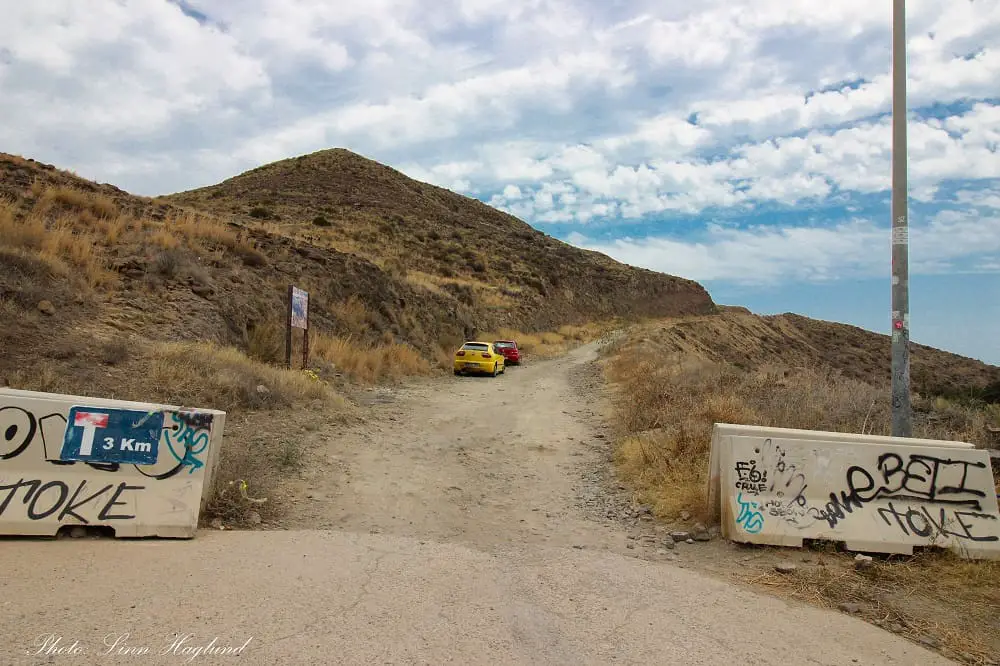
(92, 419)
(899, 325)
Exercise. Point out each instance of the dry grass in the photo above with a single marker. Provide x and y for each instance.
(61, 225)
(57, 242)
(262, 456)
(352, 314)
(61, 197)
(369, 363)
(207, 375)
(665, 408)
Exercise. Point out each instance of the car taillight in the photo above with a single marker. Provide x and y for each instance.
(486, 354)
(461, 353)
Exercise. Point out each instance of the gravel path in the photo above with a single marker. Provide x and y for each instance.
(469, 522)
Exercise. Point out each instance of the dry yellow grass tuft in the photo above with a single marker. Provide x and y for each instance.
(369, 363)
(207, 375)
(57, 243)
(56, 197)
(352, 314)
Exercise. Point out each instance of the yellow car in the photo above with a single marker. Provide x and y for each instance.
(479, 357)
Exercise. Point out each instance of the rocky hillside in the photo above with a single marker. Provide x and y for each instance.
(86, 268)
(741, 338)
(507, 272)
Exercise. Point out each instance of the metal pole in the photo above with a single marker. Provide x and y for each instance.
(288, 331)
(902, 425)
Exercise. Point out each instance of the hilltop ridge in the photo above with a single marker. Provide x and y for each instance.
(442, 241)
(387, 260)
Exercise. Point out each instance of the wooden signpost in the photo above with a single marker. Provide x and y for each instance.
(298, 317)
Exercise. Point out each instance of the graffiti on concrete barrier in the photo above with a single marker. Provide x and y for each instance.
(924, 521)
(933, 491)
(190, 435)
(41, 435)
(782, 486)
(750, 479)
(749, 518)
(43, 499)
(778, 481)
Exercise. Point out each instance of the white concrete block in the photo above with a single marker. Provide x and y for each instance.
(871, 494)
(110, 470)
(724, 430)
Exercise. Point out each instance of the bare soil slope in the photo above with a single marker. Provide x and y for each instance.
(750, 341)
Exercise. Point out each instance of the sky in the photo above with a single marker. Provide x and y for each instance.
(744, 144)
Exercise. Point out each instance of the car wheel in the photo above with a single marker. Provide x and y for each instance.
(494, 369)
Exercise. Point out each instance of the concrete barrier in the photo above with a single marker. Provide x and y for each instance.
(722, 431)
(142, 469)
(876, 494)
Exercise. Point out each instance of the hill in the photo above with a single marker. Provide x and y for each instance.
(750, 342)
(402, 267)
(91, 276)
(437, 241)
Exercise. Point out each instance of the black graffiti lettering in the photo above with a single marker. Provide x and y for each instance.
(924, 531)
(196, 420)
(16, 425)
(968, 528)
(800, 497)
(891, 510)
(940, 524)
(747, 471)
(834, 510)
(173, 471)
(919, 478)
(13, 488)
(922, 523)
(961, 488)
(105, 515)
(73, 504)
(37, 494)
(52, 428)
(854, 490)
(749, 487)
(38, 510)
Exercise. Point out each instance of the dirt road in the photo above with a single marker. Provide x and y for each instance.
(465, 523)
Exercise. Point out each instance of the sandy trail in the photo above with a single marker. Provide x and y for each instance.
(476, 460)
(450, 531)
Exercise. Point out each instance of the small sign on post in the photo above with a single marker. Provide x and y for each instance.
(298, 317)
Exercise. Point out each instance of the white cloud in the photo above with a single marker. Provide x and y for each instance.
(765, 255)
(556, 111)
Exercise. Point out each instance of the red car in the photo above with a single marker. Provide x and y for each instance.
(511, 354)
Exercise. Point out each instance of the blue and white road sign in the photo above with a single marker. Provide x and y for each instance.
(102, 434)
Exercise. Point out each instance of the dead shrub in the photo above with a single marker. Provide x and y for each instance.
(115, 352)
(265, 341)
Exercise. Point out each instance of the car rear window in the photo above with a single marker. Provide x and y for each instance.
(472, 346)
(504, 345)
